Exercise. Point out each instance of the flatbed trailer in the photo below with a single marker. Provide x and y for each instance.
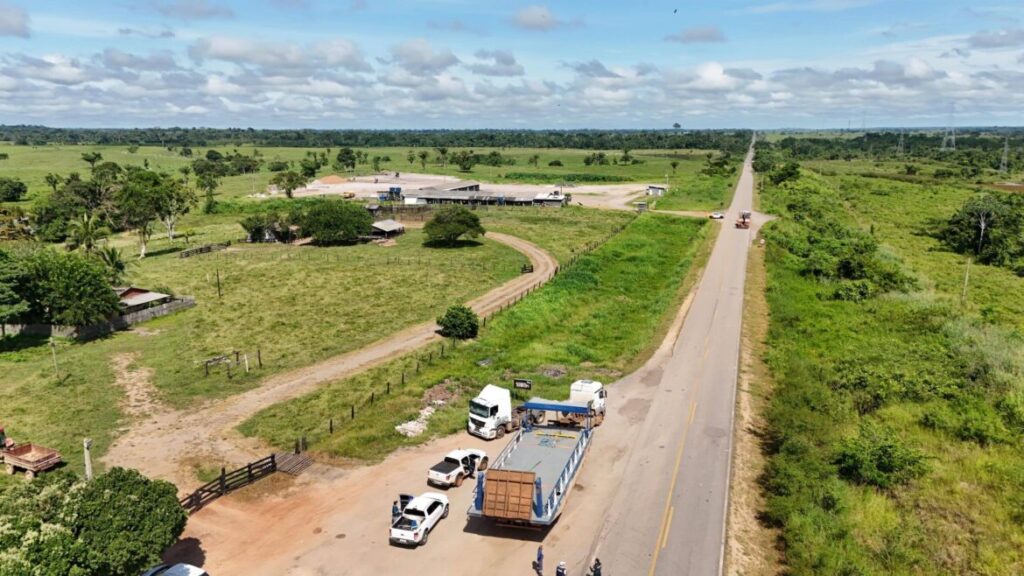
(530, 480)
(31, 458)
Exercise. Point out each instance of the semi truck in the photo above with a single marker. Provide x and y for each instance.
(528, 483)
(491, 414)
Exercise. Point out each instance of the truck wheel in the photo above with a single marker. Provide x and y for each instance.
(483, 464)
(499, 433)
(445, 513)
(508, 427)
(10, 469)
(30, 474)
(458, 481)
(426, 535)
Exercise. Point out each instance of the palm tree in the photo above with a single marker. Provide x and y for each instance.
(53, 181)
(423, 155)
(115, 263)
(86, 233)
(674, 164)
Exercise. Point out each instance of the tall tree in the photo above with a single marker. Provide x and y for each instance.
(423, 156)
(115, 263)
(66, 288)
(411, 157)
(289, 181)
(674, 164)
(53, 181)
(442, 155)
(208, 183)
(138, 203)
(346, 159)
(92, 158)
(451, 223)
(334, 222)
(175, 200)
(12, 306)
(86, 232)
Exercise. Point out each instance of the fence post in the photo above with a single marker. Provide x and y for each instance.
(296, 445)
(273, 462)
(304, 445)
(403, 378)
(259, 358)
(353, 408)
(248, 472)
(331, 425)
(371, 397)
(223, 487)
(389, 386)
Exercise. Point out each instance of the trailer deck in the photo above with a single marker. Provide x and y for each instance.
(528, 482)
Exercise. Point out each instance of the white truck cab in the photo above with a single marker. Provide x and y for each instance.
(590, 391)
(489, 412)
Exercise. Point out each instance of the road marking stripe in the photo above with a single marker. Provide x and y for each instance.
(668, 526)
(693, 412)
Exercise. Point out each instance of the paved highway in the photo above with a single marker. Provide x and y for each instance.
(669, 515)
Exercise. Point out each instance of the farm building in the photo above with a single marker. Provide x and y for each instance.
(388, 228)
(471, 193)
(653, 190)
(134, 299)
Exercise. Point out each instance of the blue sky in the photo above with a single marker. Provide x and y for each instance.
(489, 64)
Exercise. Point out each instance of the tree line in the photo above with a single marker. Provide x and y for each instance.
(734, 141)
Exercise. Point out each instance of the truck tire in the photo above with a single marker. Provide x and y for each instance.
(426, 534)
(445, 513)
(483, 464)
(30, 474)
(458, 480)
(499, 433)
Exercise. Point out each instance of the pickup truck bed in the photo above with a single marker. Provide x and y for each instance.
(445, 467)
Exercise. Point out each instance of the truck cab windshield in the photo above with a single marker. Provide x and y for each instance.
(482, 411)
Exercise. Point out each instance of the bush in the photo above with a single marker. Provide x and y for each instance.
(12, 189)
(555, 163)
(277, 166)
(877, 458)
(451, 223)
(334, 222)
(459, 322)
(65, 288)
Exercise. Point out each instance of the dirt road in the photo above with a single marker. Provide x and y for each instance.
(168, 442)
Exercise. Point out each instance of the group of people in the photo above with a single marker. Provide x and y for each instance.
(560, 570)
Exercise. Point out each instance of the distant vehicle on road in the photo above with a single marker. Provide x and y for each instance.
(717, 216)
(744, 220)
(419, 517)
(456, 467)
(175, 570)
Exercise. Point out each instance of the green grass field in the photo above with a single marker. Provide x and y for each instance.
(933, 380)
(597, 319)
(31, 164)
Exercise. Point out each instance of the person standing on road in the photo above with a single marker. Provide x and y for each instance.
(560, 571)
(539, 564)
(395, 512)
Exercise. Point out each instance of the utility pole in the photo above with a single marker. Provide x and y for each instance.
(86, 445)
(1004, 163)
(53, 353)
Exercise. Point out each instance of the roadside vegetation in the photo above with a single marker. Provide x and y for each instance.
(895, 430)
(597, 319)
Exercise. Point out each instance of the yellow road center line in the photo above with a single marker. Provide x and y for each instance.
(668, 526)
(693, 412)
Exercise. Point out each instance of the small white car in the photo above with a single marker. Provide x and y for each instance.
(456, 467)
(175, 570)
(418, 518)
(717, 216)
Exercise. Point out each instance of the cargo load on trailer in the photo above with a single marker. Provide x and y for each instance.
(528, 482)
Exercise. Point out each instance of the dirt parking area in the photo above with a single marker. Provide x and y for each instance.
(333, 521)
(614, 196)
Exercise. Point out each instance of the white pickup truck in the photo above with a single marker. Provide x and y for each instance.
(456, 467)
(418, 518)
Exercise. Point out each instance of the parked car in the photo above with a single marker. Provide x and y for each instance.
(175, 570)
(717, 216)
(456, 467)
(418, 518)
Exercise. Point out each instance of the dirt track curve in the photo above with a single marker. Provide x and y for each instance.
(165, 444)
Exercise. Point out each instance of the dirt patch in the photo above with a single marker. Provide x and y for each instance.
(751, 549)
(635, 409)
(146, 332)
(554, 371)
(441, 393)
(140, 397)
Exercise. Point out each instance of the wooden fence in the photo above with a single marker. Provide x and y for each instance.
(202, 250)
(229, 482)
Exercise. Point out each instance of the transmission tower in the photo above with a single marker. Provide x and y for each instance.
(949, 138)
(1004, 163)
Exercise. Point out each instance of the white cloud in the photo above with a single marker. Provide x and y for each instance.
(697, 34)
(539, 18)
(502, 63)
(592, 69)
(191, 9)
(997, 39)
(419, 58)
(14, 21)
(807, 6)
(281, 57)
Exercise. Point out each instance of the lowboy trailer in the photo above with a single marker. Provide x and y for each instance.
(530, 480)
